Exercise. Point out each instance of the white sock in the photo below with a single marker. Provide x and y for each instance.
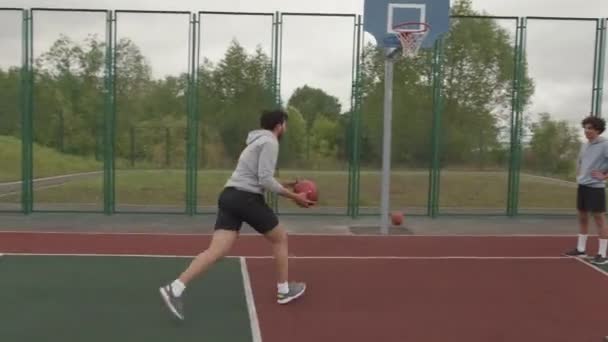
(603, 247)
(283, 287)
(582, 242)
(177, 287)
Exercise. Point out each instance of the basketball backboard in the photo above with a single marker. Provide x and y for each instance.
(381, 16)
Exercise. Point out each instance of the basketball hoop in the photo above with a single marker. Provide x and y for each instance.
(411, 35)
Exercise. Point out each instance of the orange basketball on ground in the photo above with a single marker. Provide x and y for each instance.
(309, 187)
(397, 218)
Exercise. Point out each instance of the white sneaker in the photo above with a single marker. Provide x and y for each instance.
(295, 291)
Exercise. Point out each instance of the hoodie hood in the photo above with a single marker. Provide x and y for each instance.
(598, 140)
(257, 134)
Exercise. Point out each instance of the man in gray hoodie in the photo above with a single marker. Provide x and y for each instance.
(592, 171)
(242, 200)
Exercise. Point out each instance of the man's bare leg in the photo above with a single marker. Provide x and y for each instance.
(583, 222)
(280, 250)
(286, 291)
(581, 246)
(600, 222)
(220, 245)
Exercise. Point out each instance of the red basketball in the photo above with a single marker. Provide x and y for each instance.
(397, 218)
(308, 187)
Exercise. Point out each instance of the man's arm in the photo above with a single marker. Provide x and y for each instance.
(600, 174)
(266, 167)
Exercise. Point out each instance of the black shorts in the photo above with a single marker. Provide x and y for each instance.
(590, 199)
(237, 206)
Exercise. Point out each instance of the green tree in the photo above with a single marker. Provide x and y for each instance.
(314, 103)
(324, 147)
(292, 147)
(237, 90)
(9, 102)
(478, 77)
(69, 97)
(553, 148)
(68, 101)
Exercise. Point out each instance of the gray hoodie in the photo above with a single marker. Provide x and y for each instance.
(255, 169)
(593, 156)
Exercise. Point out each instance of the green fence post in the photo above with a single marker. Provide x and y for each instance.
(113, 112)
(109, 107)
(434, 177)
(513, 122)
(517, 119)
(353, 135)
(357, 120)
(192, 120)
(600, 65)
(277, 39)
(27, 103)
(349, 129)
(596, 51)
(132, 145)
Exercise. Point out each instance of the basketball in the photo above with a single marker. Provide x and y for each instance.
(309, 187)
(397, 218)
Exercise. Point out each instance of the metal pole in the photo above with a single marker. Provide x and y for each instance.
(598, 33)
(386, 144)
(356, 133)
(601, 67)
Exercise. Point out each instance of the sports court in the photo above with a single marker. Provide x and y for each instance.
(396, 107)
(100, 287)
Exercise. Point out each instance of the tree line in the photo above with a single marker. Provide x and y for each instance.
(151, 113)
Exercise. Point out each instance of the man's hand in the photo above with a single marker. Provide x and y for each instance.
(598, 175)
(302, 200)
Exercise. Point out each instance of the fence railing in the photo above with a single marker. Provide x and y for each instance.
(97, 132)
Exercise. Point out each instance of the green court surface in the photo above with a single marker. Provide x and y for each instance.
(94, 298)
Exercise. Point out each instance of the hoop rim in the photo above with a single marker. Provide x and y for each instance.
(399, 27)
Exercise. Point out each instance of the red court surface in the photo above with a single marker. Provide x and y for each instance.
(436, 300)
(396, 288)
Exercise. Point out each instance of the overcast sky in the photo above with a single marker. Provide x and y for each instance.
(318, 51)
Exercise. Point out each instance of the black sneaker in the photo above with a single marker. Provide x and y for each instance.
(576, 253)
(599, 260)
(173, 302)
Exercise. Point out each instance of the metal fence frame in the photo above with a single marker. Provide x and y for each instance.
(354, 126)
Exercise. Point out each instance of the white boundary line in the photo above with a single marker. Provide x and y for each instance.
(306, 257)
(592, 266)
(43, 179)
(253, 314)
(301, 234)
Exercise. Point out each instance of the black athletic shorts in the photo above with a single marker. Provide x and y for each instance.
(237, 206)
(590, 199)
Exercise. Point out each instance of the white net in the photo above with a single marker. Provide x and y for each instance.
(411, 40)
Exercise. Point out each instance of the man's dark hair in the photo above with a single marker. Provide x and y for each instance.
(596, 123)
(271, 118)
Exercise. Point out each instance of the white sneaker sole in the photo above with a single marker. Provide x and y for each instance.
(289, 299)
(165, 298)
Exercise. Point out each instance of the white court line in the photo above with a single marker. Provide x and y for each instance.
(298, 234)
(306, 257)
(35, 189)
(592, 266)
(253, 314)
(38, 180)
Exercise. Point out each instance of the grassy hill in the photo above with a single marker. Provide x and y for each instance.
(47, 161)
